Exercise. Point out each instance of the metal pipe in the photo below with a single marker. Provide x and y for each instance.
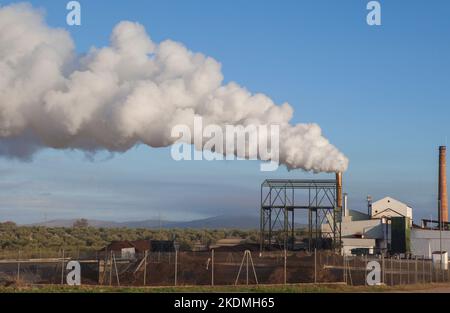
(345, 210)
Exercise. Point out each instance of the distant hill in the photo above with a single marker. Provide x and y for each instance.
(217, 222)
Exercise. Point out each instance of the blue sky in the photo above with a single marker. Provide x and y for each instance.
(381, 95)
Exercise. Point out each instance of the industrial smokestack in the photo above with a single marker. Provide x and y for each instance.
(339, 189)
(442, 198)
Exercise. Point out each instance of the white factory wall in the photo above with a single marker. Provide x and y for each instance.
(372, 229)
(425, 241)
(353, 226)
(389, 207)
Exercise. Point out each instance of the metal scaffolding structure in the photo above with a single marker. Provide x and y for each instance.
(280, 200)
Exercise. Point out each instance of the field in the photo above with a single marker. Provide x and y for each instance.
(43, 240)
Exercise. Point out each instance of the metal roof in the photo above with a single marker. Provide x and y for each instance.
(300, 183)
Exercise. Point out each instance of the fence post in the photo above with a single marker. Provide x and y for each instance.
(392, 272)
(431, 272)
(62, 268)
(315, 265)
(364, 260)
(145, 267)
(416, 269)
(344, 272)
(110, 268)
(285, 266)
(423, 269)
(176, 265)
(212, 267)
(407, 269)
(347, 268)
(18, 268)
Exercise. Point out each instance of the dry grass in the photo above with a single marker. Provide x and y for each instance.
(294, 288)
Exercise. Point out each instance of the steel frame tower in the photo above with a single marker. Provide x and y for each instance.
(278, 206)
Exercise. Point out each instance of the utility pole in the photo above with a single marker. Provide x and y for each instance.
(246, 258)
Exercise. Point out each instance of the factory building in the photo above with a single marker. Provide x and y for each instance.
(389, 207)
(388, 226)
(426, 241)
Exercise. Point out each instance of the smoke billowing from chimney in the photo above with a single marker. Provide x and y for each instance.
(131, 92)
(443, 198)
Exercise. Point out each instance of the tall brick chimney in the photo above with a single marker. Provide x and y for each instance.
(443, 198)
(339, 189)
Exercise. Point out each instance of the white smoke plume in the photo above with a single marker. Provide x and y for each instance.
(131, 92)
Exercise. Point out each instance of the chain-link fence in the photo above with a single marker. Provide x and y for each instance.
(39, 267)
(212, 268)
(395, 271)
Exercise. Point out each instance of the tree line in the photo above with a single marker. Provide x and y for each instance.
(85, 238)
